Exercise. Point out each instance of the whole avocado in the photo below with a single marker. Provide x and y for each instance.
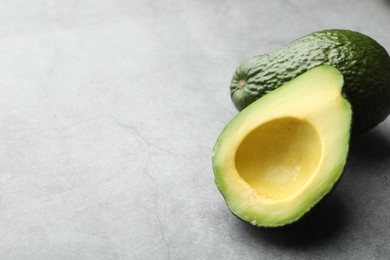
(364, 63)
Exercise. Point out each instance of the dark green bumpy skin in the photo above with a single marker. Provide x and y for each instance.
(364, 63)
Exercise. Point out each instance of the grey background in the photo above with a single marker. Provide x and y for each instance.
(109, 111)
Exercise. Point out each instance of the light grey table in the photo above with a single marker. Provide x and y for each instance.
(109, 111)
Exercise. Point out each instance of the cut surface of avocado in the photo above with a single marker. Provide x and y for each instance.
(282, 154)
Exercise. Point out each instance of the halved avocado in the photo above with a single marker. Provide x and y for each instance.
(282, 154)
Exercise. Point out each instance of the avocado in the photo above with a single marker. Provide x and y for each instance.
(364, 63)
(283, 153)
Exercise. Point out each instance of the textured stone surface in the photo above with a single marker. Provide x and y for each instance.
(109, 111)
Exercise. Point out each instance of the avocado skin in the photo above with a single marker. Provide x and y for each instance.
(364, 63)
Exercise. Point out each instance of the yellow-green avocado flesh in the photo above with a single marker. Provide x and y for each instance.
(282, 154)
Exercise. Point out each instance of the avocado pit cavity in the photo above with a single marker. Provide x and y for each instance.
(278, 157)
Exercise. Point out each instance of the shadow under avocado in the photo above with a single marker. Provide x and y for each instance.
(371, 146)
(325, 221)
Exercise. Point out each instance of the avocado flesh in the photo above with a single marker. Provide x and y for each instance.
(282, 154)
(364, 63)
